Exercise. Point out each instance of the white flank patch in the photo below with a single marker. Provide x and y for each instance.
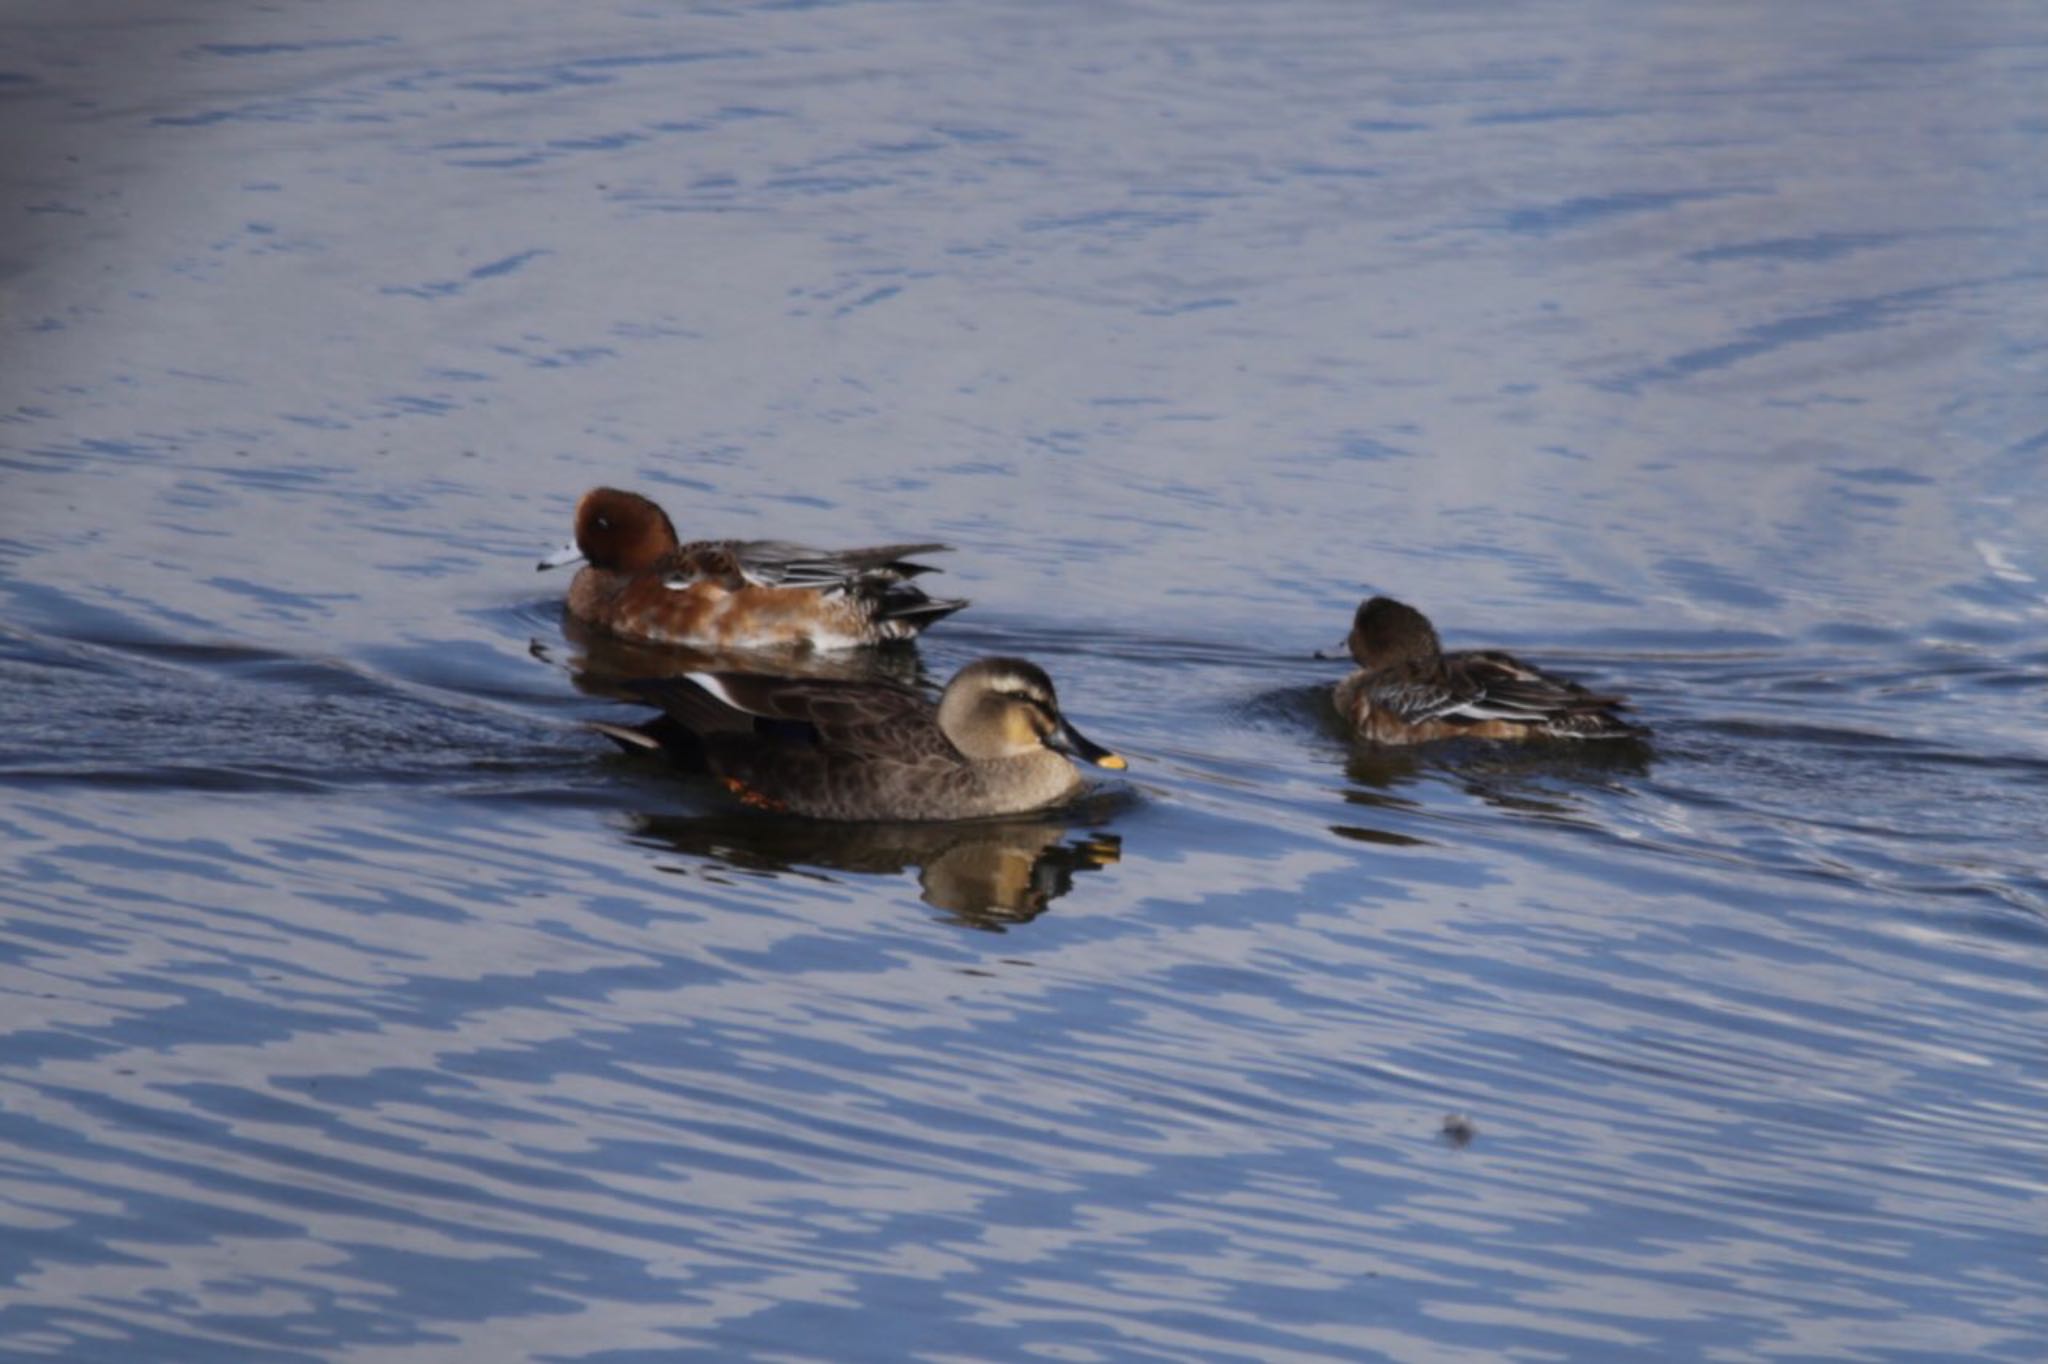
(709, 682)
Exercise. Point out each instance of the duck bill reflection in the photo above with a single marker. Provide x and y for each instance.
(566, 555)
(1078, 746)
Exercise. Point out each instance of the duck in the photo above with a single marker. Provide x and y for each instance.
(1407, 690)
(995, 743)
(640, 582)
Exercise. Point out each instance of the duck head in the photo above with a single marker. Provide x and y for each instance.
(1005, 708)
(617, 531)
(1386, 633)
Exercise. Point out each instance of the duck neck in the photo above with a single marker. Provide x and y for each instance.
(1036, 778)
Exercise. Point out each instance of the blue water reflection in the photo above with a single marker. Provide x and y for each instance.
(363, 1004)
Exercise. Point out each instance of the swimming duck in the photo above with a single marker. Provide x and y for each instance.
(1407, 690)
(639, 581)
(995, 744)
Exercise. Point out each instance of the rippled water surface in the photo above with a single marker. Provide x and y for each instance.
(361, 1004)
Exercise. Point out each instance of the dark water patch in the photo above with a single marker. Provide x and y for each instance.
(1306, 707)
(1380, 837)
(1567, 586)
(277, 480)
(1846, 317)
(1112, 222)
(57, 622)
(1714, 583)
(293, 48)
(1884, 476)
(140, 449)
(669, 58)
(29, 660)
(263, 111)
(1835, 739)
(134, 709)
(208, 778)
(564, 357)
(416, 405)
(513, 161)
(277, 603)
(983, 631)
(1889, 818)
(1818, 246)
(1857, 633)
(1588, 210)
(1440, 796)
(1552, 114)
(464, 672)
(596, 142)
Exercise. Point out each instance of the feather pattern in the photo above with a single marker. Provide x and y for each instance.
(1407, 690)
(778, 563)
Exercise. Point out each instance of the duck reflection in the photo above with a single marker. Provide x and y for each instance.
(601, 663)
(1532, 779)
(986, 874)
(1540, 779)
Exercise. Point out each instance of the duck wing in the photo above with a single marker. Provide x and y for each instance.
(829, 714)
(1416, 699)
(813, 746)
(778, 563)
(798, 564)
(1487, 685)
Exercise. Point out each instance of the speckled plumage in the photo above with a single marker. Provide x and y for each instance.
(1407, 690)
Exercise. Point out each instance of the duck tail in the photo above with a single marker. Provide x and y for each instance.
(905, 612)
(1603, 721)
(800, 567)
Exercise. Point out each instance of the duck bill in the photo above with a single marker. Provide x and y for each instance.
(1078, 746)
(1340, 652)
(567, 554)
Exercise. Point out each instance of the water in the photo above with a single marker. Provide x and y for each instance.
(362, 1005)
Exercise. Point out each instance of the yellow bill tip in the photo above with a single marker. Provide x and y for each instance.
(1114, 762)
